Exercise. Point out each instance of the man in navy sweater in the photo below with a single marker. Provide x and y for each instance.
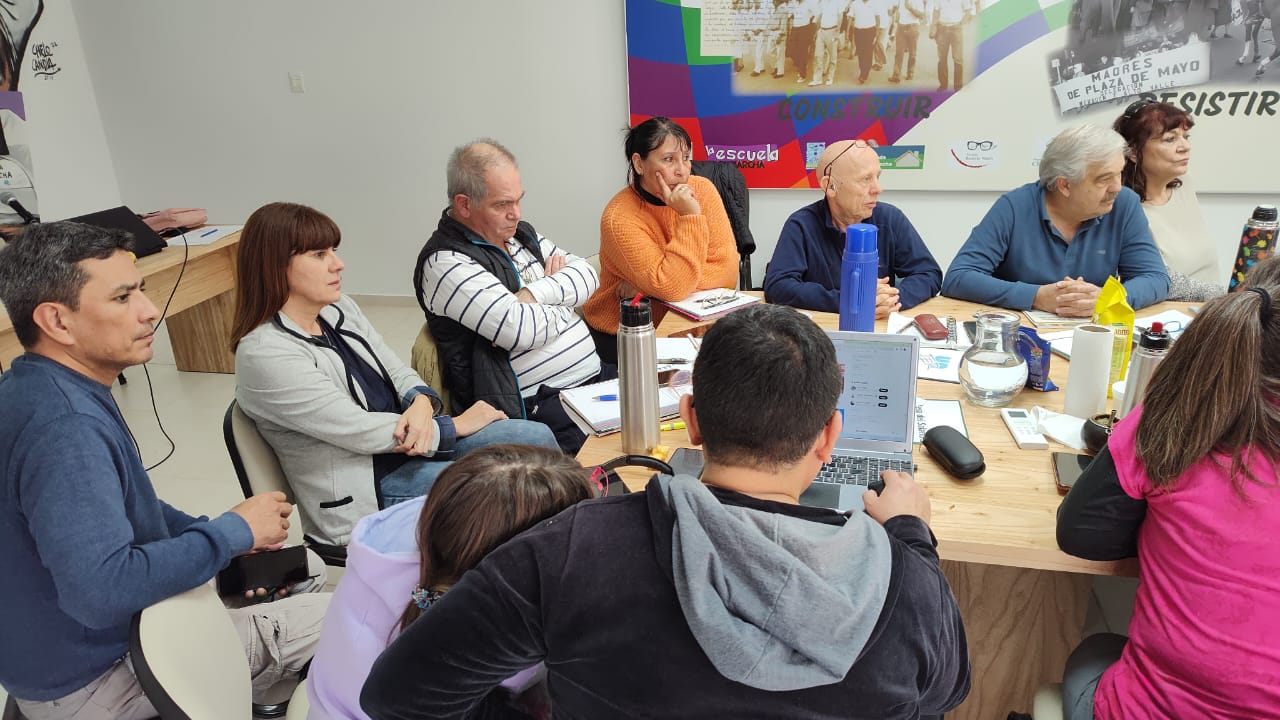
(805, 269)
(85, 543)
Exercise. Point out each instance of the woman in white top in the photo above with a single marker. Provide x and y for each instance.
(1159, 139)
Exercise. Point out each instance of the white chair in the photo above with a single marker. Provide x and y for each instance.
(189, 660)
(259, 471)
(1048, 703)
(299, 704)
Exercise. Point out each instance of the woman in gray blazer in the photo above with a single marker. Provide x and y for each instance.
(355, 429)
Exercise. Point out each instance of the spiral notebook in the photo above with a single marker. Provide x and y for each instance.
(601, 417)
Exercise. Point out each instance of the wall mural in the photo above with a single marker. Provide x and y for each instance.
(766, 84)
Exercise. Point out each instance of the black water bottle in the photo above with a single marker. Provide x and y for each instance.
(1256, 243)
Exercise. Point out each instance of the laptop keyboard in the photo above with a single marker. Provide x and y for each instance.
(852, 470)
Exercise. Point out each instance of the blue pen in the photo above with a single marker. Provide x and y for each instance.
(209, 232)
(606, 398)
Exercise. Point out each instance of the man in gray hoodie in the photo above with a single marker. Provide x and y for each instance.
(715, 598)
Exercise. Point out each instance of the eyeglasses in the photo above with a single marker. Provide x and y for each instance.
(826, 172)
(1136, 107)
(981, 144)
(721, 298)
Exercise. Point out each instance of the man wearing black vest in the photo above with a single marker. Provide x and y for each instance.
(500, 298)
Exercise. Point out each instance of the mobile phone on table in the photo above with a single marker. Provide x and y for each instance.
(1067, 468)
(272, 569)
(686, 461)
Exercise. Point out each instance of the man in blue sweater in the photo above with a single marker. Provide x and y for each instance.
(1050, 245)
(805, 269)
(85, 544)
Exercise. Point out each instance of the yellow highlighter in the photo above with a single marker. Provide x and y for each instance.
(677, 425)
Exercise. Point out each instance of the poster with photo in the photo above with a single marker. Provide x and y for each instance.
(1121, 48)
(961, 93)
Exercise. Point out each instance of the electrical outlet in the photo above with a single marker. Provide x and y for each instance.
(295, 83)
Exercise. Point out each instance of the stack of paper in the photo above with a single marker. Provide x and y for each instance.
(1049, 321)
(596, 409)
(601, 417)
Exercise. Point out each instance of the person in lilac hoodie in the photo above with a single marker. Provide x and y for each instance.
(404, 558)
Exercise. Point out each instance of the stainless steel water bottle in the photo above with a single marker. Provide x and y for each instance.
(638, 377)
(1153, 345)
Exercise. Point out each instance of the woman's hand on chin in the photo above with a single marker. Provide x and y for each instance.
(681, 199)
(476, 418)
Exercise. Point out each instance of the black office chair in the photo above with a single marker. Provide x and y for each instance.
(732, 186)
(11, 710)
(259, 471)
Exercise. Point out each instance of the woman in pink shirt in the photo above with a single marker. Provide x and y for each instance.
(1188, 483)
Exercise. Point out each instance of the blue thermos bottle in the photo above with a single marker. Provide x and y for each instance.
(858, 278)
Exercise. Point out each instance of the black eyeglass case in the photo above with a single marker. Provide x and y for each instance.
(954, 452)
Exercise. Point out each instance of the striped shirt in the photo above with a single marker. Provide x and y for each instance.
(548, 341)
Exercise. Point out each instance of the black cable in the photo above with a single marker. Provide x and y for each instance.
(186, 255)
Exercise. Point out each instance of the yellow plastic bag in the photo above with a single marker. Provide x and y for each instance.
(1112, 310)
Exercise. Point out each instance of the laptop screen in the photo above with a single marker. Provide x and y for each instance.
(878, 400)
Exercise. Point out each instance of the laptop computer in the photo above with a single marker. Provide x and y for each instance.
(878, 403)
(145, 240)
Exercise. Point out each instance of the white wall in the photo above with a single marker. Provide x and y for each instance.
(195, 98)
(197, 110)
(70, 154)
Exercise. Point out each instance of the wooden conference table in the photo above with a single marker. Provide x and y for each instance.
(1023, 599)
(200, 315)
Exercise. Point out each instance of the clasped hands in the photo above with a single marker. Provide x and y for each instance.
(1068, 297)
(414, 431)
(886, 299)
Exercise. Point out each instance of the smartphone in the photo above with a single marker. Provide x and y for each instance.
(686, 461)
(1067, 468)
(270, 570)
(931, 327)
(971, 330)
(696, 331)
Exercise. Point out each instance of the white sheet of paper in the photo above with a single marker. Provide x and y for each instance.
(941, 365)
(932, 413)
(204, 235)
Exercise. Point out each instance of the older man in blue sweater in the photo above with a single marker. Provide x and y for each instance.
(805, 269)
(85, 543)
(1050, 245)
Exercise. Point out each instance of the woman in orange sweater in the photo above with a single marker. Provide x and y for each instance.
(666, 236)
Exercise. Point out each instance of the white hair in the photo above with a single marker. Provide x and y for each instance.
(1070, 154)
